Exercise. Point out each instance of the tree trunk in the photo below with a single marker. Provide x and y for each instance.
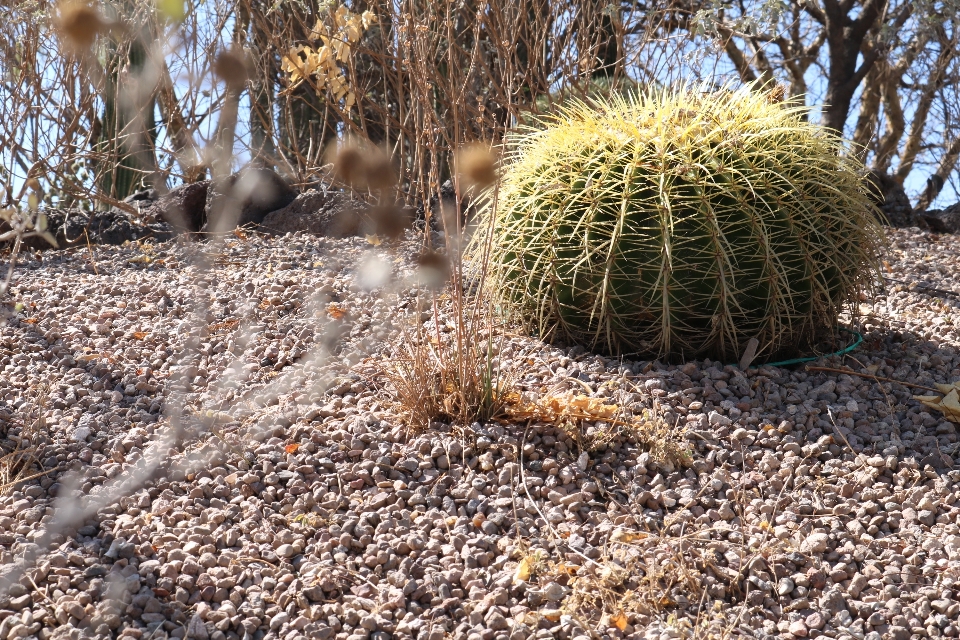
(866, 128)
(844, 41)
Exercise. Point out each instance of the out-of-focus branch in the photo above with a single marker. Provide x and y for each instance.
(736, 55)
(866, 127)
(936, 180)
(185, 147)
(925, 100)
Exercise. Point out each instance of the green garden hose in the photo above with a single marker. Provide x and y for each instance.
(841, 352)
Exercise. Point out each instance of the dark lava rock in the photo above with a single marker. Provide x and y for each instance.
(321, 213)
(891, 200)
(245, 198)
(942, 220)
(74, 227)
(141, 200)
(184, 207)
(113, 227)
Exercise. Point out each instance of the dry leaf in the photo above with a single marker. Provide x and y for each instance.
(225, 325)
(775, 96)
(594, 407)
(626, 537)
(335, 311)
(291, 448)
(948, 405)
(523, 570)
(140, 335)
(620, 621)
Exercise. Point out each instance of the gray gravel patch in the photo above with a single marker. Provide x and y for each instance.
(217, 422)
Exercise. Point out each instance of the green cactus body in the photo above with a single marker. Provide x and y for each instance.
(680, 224)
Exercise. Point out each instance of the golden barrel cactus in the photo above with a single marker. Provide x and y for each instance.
(680, 224)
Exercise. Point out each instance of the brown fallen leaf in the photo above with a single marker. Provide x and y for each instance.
(626, 537)
(523, 571)
(948, 404)
(620, 621)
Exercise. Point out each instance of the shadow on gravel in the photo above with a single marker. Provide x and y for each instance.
(892, 367)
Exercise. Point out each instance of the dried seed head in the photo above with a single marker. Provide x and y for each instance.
(390, 221)
(777, 94)
(450, 218)
(348, 162)
(362, 167)
(344, 224)
(231, 67)
(79, 23)
(476, 165)
(379, 171)
(434, 269)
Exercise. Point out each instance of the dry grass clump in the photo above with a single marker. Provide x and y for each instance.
(451, 371)
(19, 462)
(683, 576)
(444, 376)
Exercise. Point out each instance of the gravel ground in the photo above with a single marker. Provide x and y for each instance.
(218, 458)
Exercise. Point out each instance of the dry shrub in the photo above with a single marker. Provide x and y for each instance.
(448, 376)
(666, 576)
(18, 453)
